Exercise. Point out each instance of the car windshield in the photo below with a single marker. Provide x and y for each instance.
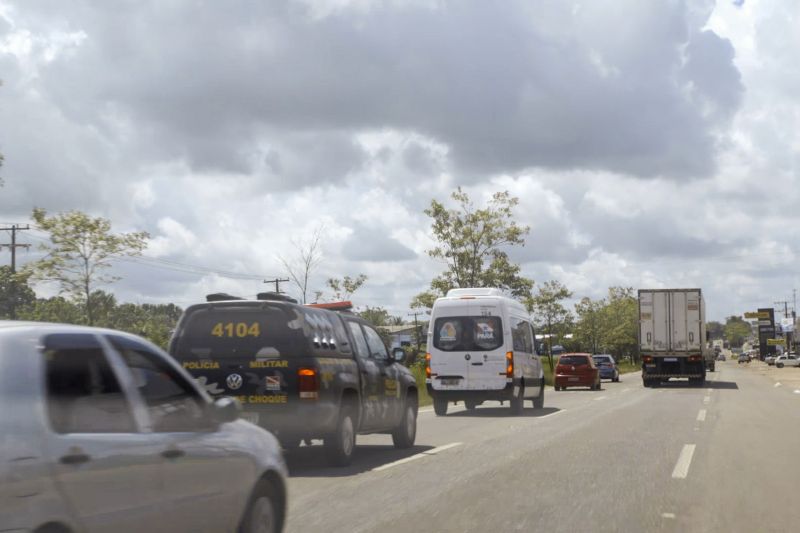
(468, 333)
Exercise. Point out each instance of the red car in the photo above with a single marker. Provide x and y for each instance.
(577, 370)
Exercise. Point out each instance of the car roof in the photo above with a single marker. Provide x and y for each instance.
(21, 327)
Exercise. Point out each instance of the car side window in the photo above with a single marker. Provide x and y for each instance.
(172, 403)
(362, 350)
(377, 350)
(83, 393)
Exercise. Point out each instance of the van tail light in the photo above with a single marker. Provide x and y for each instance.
(695, 358)
(427, 365)
(509, 364)
(308, 382)
(647, 358)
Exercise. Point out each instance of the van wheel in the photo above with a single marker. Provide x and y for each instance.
(516, 402)
(406, 431)
(340, 445)
(470, 405)
(538, 402)
(440, 406)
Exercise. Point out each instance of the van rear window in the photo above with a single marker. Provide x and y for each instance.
(468, 333)
(241, 332)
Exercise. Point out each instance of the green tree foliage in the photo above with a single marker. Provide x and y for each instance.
(737, 330)
(609, 325)
(80, 252)
(716, 330)
(549, 313)
(377, 316)
(424, 300)
(344, 288)
(15, 293)
(472, 242)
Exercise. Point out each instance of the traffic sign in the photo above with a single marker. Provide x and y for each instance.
(775, 342)
(757, 314)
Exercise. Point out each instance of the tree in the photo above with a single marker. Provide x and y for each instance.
(715, 330)
(621, 322)
(307, 259)
(590, 324)
(548, 311)
(377, 316)
(15, 293)
(737, 330)
(424, 300)
(80, 252)
(344, 288)
(472, 242)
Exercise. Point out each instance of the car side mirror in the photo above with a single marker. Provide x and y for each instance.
(226, 409)
(398, 355)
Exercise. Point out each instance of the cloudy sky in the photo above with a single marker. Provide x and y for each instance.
(651, 144)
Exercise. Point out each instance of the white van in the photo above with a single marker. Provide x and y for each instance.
(481, 347)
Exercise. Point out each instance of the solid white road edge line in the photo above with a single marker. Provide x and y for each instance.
(552, 414)
(684, 462)
(701, 415)
(432, 451)
(600, 398)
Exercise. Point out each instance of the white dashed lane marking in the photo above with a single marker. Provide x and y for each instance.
(428, 453)
(681, 469)
(778, 384)
(701, 415)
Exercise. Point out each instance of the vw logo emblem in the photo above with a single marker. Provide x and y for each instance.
(234, 381)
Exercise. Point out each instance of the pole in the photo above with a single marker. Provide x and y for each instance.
(415, 314)
(13, 247)
(277, 282)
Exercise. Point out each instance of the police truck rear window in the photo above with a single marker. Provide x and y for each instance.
(241, 332)
(468, 333)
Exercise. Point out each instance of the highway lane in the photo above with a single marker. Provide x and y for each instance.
(675, 458)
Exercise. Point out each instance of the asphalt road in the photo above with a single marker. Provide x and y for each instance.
(724, 457)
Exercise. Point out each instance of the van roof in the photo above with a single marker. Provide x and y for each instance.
(474, 291)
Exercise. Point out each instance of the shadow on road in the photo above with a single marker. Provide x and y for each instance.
(310, 461)
(683, 384)
(486, 412)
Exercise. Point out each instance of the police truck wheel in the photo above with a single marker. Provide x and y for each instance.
(340, 445)
(439, 406)
(405, 433)
(516, 402)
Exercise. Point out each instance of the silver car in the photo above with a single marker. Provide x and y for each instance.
(102, 431)
(787, 360)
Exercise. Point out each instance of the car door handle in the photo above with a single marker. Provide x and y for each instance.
(74, 459)
(173, 453)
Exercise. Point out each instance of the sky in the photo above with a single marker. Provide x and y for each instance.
(651, 144)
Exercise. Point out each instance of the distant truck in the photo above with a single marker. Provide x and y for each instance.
(672, 336)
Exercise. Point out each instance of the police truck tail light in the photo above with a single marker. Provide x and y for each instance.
(647, 358)
(427, 365)
(509, 364)
(308, 382)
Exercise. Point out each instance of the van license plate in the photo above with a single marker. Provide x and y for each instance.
(572, 379)
(450, 381)
(670, 359)
(250, 417)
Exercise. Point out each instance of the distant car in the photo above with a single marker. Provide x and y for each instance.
(576, 370)
(607, 366)
(108, 433)
(787, 360)
(721, 357)
(770, 359)
(744, 358)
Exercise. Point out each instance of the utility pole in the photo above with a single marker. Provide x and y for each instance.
(415, 314)
(277, 282)
(14, 228)
(785, 307)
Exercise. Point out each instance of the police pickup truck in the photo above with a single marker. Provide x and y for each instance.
(302, 372)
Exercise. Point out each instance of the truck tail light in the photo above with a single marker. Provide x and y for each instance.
(695, 358)
(647, 358)
(509, 364)
(427, 365)
(308, 382)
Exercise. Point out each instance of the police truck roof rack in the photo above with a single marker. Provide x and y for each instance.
(275, 297)
(344, 306)
(221, 297)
